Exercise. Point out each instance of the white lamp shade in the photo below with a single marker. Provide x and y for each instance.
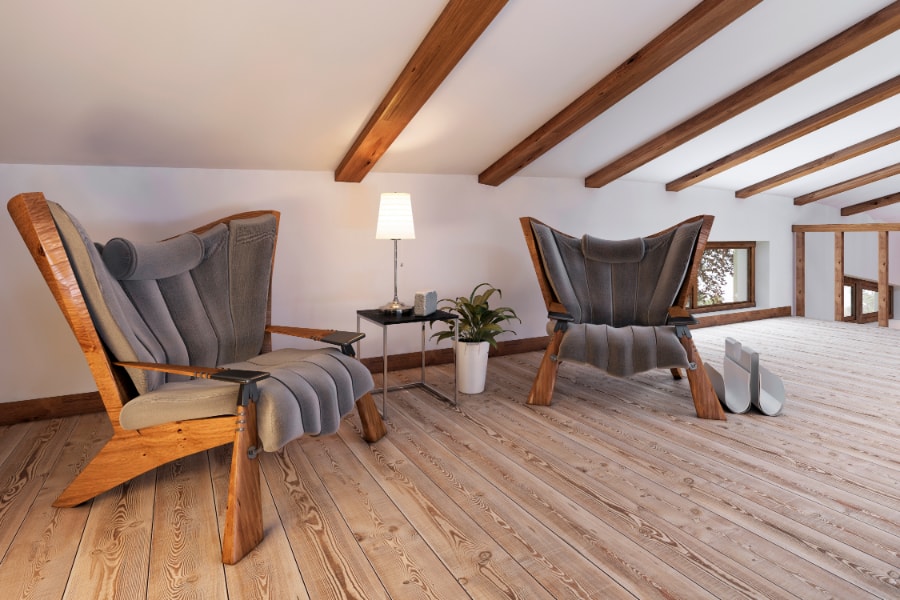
(395, 218)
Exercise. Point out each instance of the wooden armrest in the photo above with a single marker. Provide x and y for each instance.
(344, 339)
(232, 375)
(680, 316)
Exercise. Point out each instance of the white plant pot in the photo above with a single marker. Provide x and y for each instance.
(471, 365)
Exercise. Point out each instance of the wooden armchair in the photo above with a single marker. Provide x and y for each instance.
(620, 305)
(177, 337)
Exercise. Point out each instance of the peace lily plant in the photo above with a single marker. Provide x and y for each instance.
(478, 325)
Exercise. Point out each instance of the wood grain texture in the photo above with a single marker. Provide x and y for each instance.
(849, 184)
(185, 538)
(800, 274)
(808, 125)
(838, 275)
(884, 295)
(858, 36)
(38, 562)
(243, 514)
(741, 316)
(855, 209)
(50, 407)
(691, 30)
(615, 491)
(823, 162)
(458, 27)
(847, 227)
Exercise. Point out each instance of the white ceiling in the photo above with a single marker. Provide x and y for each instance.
(288, 84)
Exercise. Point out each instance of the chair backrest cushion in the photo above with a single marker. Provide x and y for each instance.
(197, 299)
(617, 283)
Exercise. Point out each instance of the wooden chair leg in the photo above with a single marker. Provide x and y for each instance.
(372, 424)
(676, 374)
(243, 514)
(541, 393)
(706, 402)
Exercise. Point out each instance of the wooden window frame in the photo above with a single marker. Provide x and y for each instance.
(751, 279)
(857, 286)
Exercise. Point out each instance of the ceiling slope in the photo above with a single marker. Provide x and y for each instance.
(849, 184)
(691, 30)
(456, 29)
(821, 119)
(851, 40)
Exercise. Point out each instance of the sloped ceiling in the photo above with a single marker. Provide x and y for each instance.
(289, 84)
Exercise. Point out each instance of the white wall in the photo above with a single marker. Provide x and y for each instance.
(329, 263)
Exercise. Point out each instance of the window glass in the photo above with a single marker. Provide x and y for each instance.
(725, 276)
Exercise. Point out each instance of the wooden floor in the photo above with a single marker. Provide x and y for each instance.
(616, 491)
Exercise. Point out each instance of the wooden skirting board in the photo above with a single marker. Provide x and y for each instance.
(88, 402)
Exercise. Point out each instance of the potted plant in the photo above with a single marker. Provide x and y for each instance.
(479, 325)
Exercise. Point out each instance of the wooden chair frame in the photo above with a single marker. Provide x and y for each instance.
(706, 403)
(129, 453)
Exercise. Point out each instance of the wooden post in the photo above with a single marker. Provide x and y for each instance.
(884, 294)
(799, 274)
(839, 276)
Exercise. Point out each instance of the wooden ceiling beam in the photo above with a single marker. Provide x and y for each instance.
(869, 30)
(828, 116)
(850, 184)
(871, 204)
(846, 227)
(453, 33)
(829, 160)
(691, 30)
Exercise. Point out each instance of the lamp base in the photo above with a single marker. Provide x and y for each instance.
(396, 307)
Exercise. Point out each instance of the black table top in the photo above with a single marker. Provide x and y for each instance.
(376, 315)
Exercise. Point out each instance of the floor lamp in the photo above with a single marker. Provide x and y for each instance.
(395, 222)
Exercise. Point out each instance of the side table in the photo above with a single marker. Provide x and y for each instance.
(385, 320)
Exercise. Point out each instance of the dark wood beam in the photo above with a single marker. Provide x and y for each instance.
(857, 227)
(871, 204)
(451, 36)
(869, 30)
(829, 160)
(828, 116)
(850, 184)
(691, 30)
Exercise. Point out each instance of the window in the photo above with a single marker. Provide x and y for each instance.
(861, 300)
(725, 278)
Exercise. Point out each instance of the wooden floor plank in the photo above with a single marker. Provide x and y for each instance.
(596, 531)
(616, 490)
(396, 523)
(185, 558)
(329, 557)
(269, 571)
(41, 555)
(114, 555)
(558, 567)
(752, 531)
(23, 473)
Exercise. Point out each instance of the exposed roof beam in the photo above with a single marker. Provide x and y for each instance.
(451, 36)
(871, 204)
(850, 184)
(852, 39)
(845, 227)
(691, 30)
(829, 160)
(826, 117)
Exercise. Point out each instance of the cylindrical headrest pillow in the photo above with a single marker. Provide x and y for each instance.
(159, 260)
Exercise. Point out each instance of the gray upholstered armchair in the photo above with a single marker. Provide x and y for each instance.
(177, 336)
(619, 305)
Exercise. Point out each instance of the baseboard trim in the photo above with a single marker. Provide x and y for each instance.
(89, 402)
(743, 316)
(50, 408)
